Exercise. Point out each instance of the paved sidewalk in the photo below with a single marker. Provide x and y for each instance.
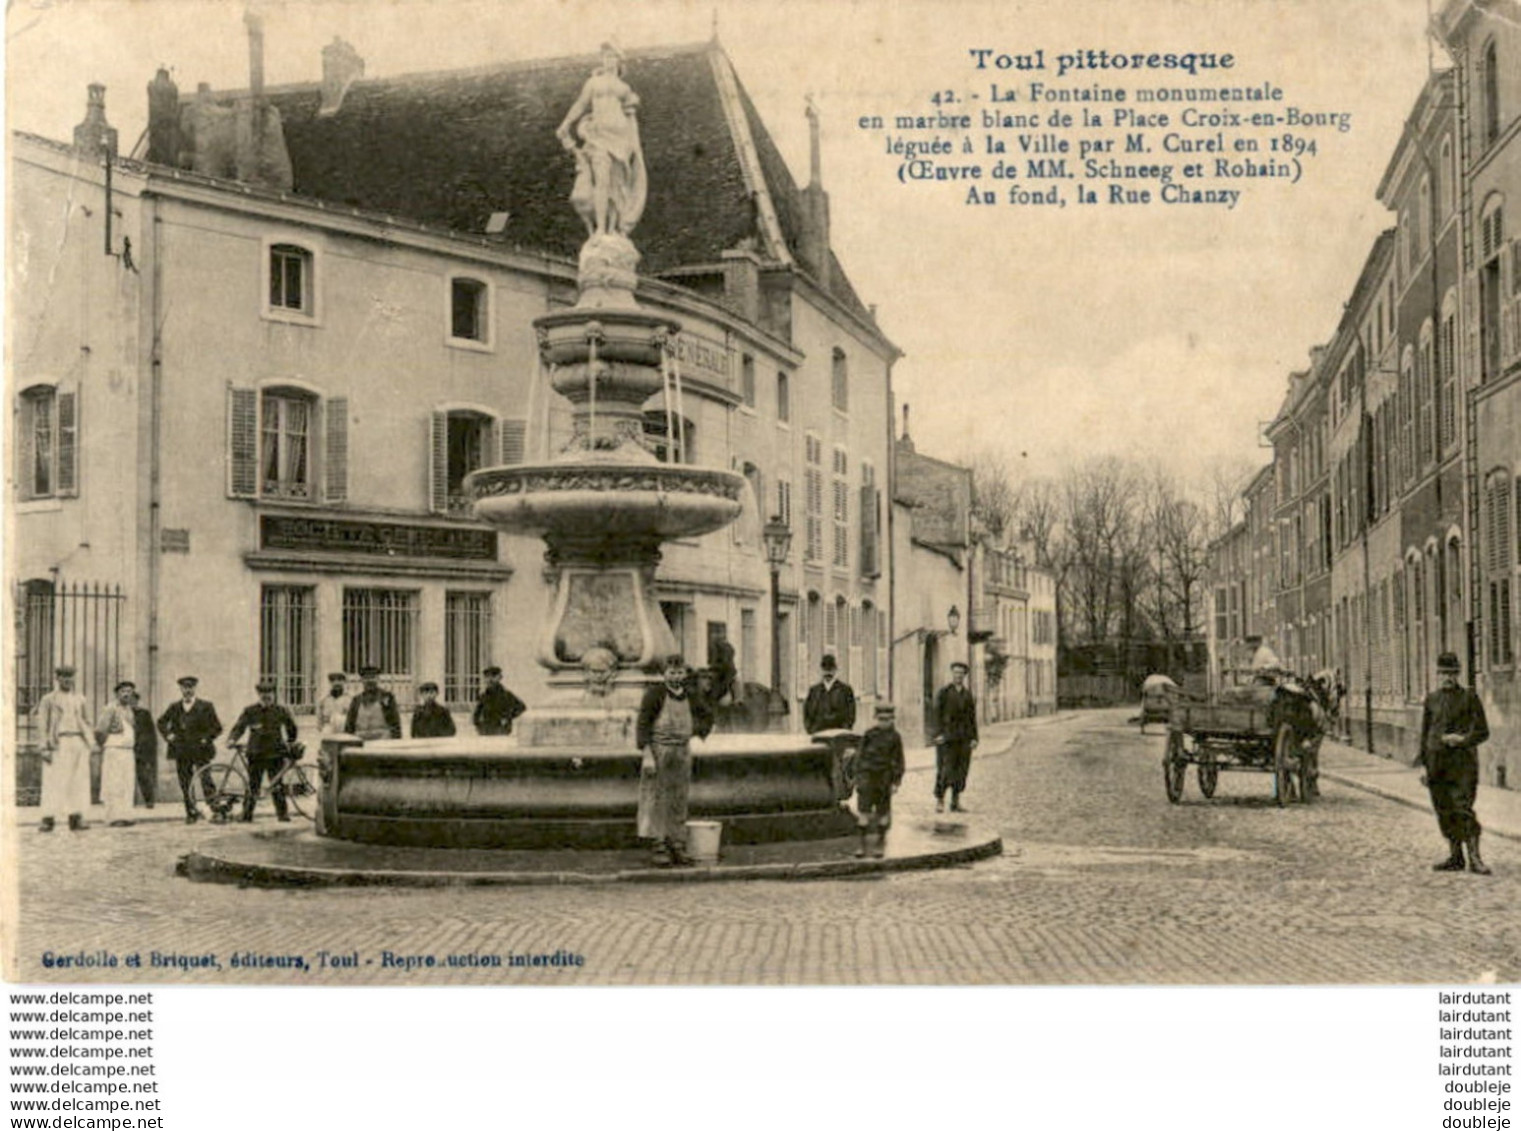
(1499, 810)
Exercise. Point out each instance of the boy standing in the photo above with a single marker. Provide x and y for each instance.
(879, 772)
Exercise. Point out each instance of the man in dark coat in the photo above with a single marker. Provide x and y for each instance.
(496, 707)
(270, 730)
(190, 728)
(955, 725)
(1452, 726)
(831, 704)
(373, 713)
(144, 752)
(430, 718)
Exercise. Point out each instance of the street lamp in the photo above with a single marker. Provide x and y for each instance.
(777, 536)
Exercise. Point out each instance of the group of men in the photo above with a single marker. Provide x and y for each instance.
(126, 737)
(831, 705)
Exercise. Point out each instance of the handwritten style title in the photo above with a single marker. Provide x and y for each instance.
(1087, 59)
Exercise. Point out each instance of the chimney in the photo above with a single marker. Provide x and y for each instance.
(163, 119)
(95, 136)
(341, 65)
(906, 442)
(816, 206)
(255, 24)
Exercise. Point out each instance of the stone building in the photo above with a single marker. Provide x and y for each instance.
(1484, 39)
(253, 364)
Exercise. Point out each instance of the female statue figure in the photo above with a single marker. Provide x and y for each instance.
(610, 181)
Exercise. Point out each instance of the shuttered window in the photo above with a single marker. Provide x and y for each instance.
(47, 445)
(461, 441)
(287, 444)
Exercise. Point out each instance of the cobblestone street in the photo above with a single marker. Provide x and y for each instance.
(1102, 882)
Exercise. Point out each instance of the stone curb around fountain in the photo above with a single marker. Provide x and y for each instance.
(236, 859)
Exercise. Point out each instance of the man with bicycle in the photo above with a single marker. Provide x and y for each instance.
(271, 731)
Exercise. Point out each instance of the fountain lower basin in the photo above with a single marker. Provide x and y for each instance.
(494, 793)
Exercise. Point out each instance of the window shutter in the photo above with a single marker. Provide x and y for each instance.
(438, 462)
(26, 478)
(335, 455)
(68, 442)
(514, 434)
(242, 443)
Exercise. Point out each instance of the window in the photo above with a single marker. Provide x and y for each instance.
(749, 662)
(285, 445)
(657, 436)
(784, 501)
(1447, 368)
(1489, 76)
(783, 399)
(287, 644)
(813, 485)
(273, 445)
(47, 445)
(840, 492)
(1425, 371)
(467, 645)
(469, 303)
(871, 522)
(813, 631)
(380, 628)
(462, 441)
(1446, 198)
(747, 380)
(840, 380)
(1492, 229)
(290, 279)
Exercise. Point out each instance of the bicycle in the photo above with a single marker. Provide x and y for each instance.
(225, 784)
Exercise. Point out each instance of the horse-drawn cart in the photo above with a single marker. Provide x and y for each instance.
(1265, 728)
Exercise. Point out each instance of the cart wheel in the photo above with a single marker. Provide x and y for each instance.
(300, 791)
(223, 788)
(1209, 777)
(1174, 766)
(1309, 772)
(1288, 760)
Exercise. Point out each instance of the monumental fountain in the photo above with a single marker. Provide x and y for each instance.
(603, 506)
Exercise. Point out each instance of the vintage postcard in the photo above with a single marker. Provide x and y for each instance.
(540, 494)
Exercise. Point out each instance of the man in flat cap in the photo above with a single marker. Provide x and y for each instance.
(63, 720)
(1452, 726)
(373, 713)
(955, 723)
(496, 707)
(431, 719)
(116, 731)
(831, 704)
(190, 727)
(333, 708)
(270, 731)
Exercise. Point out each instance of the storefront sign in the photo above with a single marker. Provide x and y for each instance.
(703, 359)
(288, 532)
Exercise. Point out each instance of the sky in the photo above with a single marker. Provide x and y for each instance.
(1046, 335)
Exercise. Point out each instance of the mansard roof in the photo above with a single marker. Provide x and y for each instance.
(451, 148)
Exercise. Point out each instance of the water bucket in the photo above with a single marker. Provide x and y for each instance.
(703, 838)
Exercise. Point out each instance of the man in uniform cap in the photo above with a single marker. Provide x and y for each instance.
(496, 707)
(270, 731)
(1452, 726)
(955, 723)
(373, 713)
(333, 708)
(831, 704)
(190, 728)
(63, 721)
(431, 719)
